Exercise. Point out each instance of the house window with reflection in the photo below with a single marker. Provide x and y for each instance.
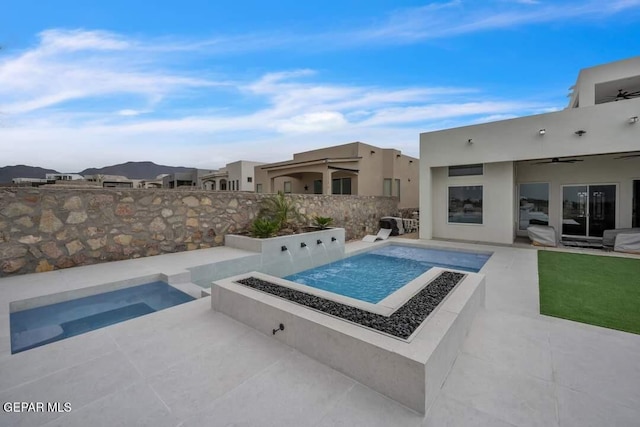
(534, 205)
(465, 204)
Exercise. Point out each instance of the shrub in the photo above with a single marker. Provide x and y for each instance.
(322, 222)
(281, 210)
(263, 228)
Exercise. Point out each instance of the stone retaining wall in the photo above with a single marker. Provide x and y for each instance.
(47, 229)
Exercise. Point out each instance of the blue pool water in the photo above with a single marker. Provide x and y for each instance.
(373, 276)
(43, 325)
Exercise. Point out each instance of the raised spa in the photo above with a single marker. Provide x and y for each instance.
(374, 275)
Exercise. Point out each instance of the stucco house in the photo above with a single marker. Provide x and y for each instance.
(577, 170)
(236, 176)
(355, 168)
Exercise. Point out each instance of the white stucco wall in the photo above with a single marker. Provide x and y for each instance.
(607, 126)
(608, 130)
(498, 192)
(588, 78)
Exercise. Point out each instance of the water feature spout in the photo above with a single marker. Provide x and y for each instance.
(319, 242)
(283, 248)
(303, 245)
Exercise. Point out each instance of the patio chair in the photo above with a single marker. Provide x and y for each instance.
(383, 234)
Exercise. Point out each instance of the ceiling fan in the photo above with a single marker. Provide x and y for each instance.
(624, 94)
(627, 156)
(557, 160)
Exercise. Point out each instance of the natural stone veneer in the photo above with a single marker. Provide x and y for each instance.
(402, 323)
(42, 229)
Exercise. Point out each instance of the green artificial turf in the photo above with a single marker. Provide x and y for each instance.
(598, 290)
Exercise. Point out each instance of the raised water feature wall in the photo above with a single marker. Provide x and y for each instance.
(285, 255)
(43, 229)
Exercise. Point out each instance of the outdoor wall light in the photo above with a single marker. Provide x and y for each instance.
(410, 161)
(580, 132)
(469, 141)
(633, 119)
(373, 152)
(542, 131)
(398, 156)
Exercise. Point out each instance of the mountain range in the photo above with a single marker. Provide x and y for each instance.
(133, 170)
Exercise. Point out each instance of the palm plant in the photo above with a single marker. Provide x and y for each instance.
(322, 222)
(263, 228)
(280, 210)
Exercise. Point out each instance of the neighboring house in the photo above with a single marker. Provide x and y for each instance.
(577, 170)
(189, 179)
(153, 183)
(34, 182)
(112, 181)
(63, 177)
(236, 176)
(354, 168)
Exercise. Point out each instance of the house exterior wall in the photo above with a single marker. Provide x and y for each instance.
(608, 130)
(373, 164)
(241, 170)
(497, 181)
(588, 78)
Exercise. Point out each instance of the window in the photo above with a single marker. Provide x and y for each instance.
(237, 185)
(465, 170)
(398, 188)
(465, 204)
(287, 186)
(249, 179)
(386, 187)
(258, 188)
(534, 205)
(317, 186)
(341, 186)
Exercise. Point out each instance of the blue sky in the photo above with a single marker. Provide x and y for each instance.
(200, 83)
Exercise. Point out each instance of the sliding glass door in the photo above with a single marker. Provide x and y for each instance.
(588, 210)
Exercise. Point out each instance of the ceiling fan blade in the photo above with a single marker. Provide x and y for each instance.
(628, 156)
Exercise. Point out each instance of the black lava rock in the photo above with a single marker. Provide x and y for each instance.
(400, 324)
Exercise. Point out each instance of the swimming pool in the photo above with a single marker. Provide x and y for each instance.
(42, 325)
(374, 275)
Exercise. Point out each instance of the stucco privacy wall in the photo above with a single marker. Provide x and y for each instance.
(47, 229)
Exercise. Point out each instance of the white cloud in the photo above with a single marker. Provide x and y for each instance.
(130, 112)
(72, 65)
(439, 20)
(48, 92)
(312, 122)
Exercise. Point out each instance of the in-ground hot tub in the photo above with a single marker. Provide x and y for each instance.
(40, 325)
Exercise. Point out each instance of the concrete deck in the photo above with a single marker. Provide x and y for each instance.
(191, 366)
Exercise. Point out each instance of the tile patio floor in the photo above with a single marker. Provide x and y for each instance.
(191, 366)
